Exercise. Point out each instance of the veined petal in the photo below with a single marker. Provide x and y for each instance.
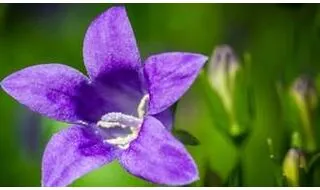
(166, 118)
(72, 153)
(110, 45)
(169, 76)
(158, 157)
(121, 89)
(112, 60)
(49, 89)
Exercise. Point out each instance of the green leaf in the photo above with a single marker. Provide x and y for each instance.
(186, 138)
(313, 161)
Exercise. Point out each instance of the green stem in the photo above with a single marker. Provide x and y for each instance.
(236, 177)
(276, 166)
(311, 168)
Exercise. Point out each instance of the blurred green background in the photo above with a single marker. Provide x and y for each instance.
(281, 40)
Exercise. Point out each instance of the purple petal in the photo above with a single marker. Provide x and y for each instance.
(72, 153)
(158, 157)
(121, 89)
(110, 44)
(168, 77)
(112, 60)
(49, 89)
(166, 118)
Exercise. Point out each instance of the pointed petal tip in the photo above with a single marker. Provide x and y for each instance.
(2, 84)
(71, 154)
(118, 8)
(48, 89)
(109, 43)
(192, 178)
(114, 10)
(185, 182)
(205, 58)
(202, 58)
(174, 165)
(180, 69)
(196, 176)
(5, 83)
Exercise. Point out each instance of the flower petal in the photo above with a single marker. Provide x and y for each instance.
(121, 89)
(110, 44)
(158, 157)
(113, 62)
(50, 89)
(168, 77)
(166, 118)
(72, 153)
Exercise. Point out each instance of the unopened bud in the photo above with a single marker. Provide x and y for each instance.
(304, 89)
(222, 72)
(304, 95)
(294, 167)
(223, 68)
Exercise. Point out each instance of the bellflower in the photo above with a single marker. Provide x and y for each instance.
(120, 112)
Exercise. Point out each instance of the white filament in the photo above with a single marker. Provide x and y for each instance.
(143, 106)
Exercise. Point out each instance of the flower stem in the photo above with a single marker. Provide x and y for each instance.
(236, 177)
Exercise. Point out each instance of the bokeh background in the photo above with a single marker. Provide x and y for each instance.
(279, 41)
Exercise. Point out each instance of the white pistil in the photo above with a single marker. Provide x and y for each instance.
(120, 129)
(113, 127)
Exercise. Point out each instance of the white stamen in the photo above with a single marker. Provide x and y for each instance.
(143, 106)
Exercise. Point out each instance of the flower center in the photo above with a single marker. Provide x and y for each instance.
(119, 129)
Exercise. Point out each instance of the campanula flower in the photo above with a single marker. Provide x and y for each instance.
(120, 112)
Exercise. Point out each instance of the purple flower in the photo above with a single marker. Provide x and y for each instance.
(122, 111)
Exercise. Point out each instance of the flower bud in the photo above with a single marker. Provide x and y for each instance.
(304, 95)
(304, 89)
(222, 71)
(294, 167)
